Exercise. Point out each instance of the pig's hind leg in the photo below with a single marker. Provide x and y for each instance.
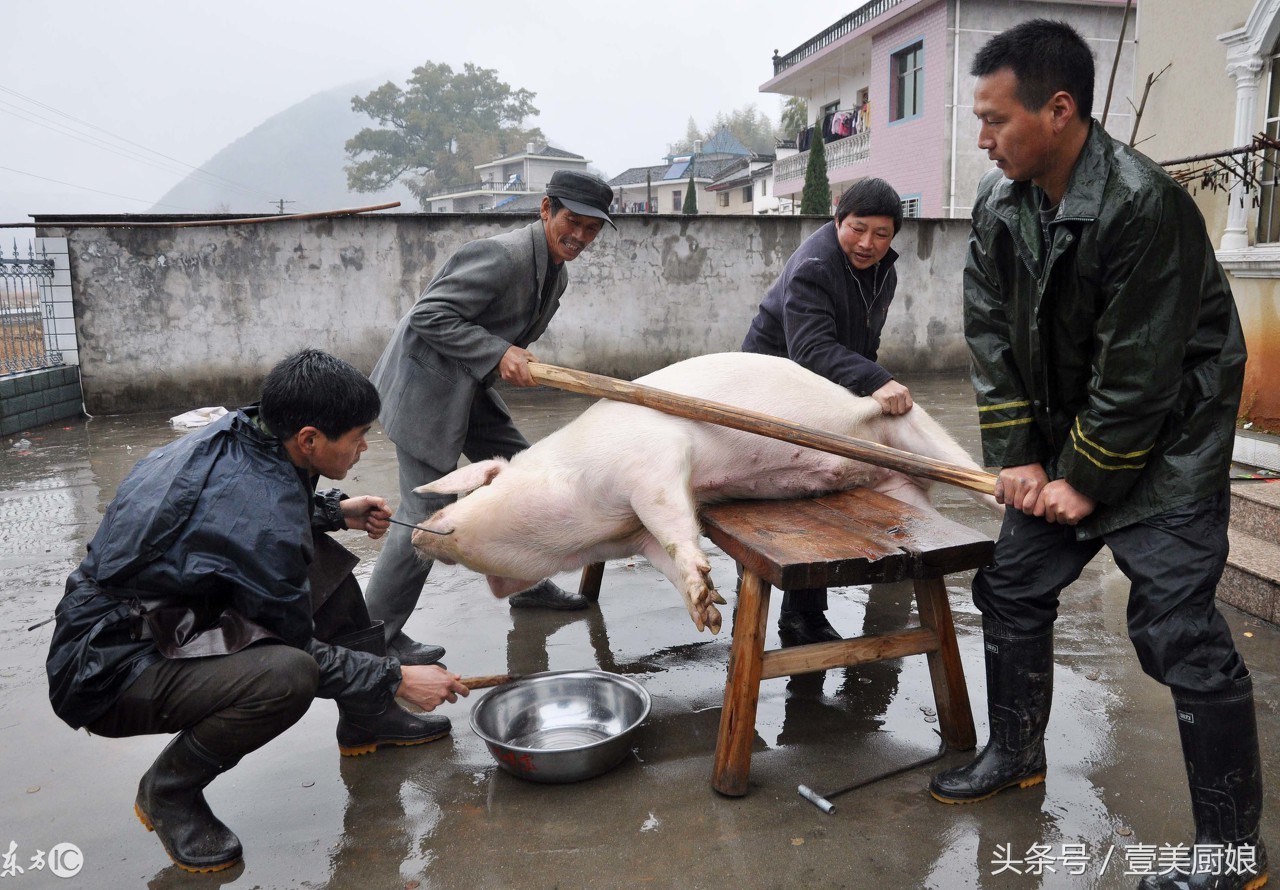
(670, 517)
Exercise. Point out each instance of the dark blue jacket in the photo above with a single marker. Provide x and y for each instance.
(823, 316)
(219, 516)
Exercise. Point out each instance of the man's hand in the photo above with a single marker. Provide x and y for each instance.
(1061, 503)
(893, 397)
(367, 513)
(1019, 487)
(427, 685)
(514, 367)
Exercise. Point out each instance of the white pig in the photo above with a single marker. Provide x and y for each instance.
(623, 480)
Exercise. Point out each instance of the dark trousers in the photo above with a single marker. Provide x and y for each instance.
(1173, 562)
(400, 573)
(234, 704)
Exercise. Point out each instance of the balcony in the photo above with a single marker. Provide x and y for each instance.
(847, 25)
(488, 186)
(839, 152)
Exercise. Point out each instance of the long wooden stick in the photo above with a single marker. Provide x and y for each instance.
(195, 223)
(695, 408)
(488, 680)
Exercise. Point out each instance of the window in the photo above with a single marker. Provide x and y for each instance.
(911, 206)
(906, 86)
(722, 199)
(1269, 198)
(746, 195)
(676, 202)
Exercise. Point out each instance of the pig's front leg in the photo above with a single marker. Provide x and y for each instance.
(672, 546)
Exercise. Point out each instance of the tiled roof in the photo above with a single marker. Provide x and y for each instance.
(519, 204)
(636, 175)
(545, 151)
(703, 168)
(725, 143)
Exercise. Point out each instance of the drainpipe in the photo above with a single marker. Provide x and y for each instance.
(955, 108)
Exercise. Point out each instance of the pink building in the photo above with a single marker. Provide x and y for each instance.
(888, 90)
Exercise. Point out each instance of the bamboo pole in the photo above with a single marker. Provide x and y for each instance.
(196, 223)
(694, 408)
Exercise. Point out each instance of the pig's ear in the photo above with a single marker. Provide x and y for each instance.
(466, 479)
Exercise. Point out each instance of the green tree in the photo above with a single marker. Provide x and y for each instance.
(816, 197)
(795, 117)
(436, 130)
(748, 124)
(690, 207)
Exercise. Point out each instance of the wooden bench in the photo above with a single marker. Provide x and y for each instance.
(848, 538)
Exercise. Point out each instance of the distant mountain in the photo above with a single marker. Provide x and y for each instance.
(296, 155)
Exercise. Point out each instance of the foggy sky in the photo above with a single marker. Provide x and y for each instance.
(615, 81)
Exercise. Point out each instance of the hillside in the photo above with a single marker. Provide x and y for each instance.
(296, 155)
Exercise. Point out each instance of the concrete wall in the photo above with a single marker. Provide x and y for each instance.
(188, 317)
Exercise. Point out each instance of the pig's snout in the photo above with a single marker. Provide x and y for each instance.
(433, 541)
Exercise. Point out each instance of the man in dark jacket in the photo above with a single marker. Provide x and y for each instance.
(193, 611)
(1108, 361)
(471, 326)
(826, 312)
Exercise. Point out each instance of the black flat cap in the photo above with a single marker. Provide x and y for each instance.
(584, 194)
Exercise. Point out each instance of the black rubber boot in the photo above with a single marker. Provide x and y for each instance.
(547, 595)
(799, 628)
(171, 803)
(1019, 694)
(367, 722)
(1219, 733)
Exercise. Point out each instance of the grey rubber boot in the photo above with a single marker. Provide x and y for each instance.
(1019, 695)
(171, 803)
(1219, 734)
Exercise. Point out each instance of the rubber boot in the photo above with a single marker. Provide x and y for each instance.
(367, 722)
(1219, 733)
(1019, 694)
(171, 803)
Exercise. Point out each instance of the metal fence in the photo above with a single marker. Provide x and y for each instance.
(26, 312)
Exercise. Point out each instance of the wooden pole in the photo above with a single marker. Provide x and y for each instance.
(194, 223)
(694, 408)
(488, 680)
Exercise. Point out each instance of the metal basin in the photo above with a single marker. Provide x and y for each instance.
(561, 726)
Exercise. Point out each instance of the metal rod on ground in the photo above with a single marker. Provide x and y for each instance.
(821, 800)
(694, 408)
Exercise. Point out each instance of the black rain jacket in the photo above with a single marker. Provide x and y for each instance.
(219, 517)
(1112, 354)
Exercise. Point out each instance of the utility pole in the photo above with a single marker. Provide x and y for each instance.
(280, 202)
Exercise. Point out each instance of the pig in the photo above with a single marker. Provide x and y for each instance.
(622, 479)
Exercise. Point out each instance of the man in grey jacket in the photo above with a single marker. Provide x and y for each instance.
(471, 326)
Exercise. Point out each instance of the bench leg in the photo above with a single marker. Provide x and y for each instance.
(945, 669)
(589, 585)
(742, 689)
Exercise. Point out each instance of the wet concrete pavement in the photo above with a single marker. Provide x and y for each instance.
(443, 816)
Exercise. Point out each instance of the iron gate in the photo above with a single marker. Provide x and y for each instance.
(26, 310)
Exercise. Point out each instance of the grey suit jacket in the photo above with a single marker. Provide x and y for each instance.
(444, 353)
